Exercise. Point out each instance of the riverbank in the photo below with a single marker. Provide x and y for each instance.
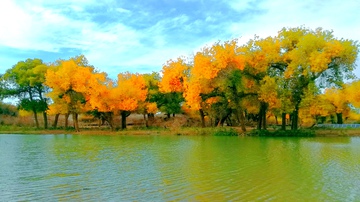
(187, 131)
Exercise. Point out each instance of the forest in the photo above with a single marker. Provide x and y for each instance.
(301, 77)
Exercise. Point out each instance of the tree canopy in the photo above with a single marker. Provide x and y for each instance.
(299, 74)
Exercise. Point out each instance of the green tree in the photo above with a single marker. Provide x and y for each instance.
(25, 80)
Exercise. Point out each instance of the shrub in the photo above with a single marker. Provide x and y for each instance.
(282, 133)
(225, 132)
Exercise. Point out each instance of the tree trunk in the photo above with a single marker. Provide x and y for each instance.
(295, 119)
(67, 120)
(202, 118)
(339, 118)
(76, 122)
(56, 120)
(262, 116)
(146, 121)
(45, 120)
(224, 118)
(108, 117)
(260, 120)
(44, 112)
(123, 119)
(242, 121)
(228, 121)
(36, 118)
(283, 121)
(34, 110)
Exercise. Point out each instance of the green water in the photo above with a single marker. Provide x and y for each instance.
(158, 168)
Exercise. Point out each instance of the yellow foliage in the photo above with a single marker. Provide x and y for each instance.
(174, 74)
(352, 93)
(337, 98)
(308, 52)
(151, 107)
(268, 92)
(212, 100)
(192, 95)
(24, 113)
(70, 83)
(126, 96)
(251, 105)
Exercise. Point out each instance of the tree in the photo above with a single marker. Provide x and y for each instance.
(171, 86)
(130, 91)
(337, 98)
(263, 68)
(204, 81)
(123, 96)
(71, 82)
(26, 82)
(314, 56)
(351, 91)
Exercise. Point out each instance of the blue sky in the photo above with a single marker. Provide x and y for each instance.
(140, 36)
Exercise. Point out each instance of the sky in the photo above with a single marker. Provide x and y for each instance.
(142, 35)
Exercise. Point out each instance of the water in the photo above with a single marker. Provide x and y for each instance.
(163, 168)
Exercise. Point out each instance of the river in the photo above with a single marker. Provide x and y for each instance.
(178, 168)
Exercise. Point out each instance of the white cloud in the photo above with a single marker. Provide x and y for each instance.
(122, 10)
(330, 15)
(241, 5)
(130, 37)
(14, 23)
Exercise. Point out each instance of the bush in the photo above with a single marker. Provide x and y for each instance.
(8, 109)
(225, 132)
(282, 133)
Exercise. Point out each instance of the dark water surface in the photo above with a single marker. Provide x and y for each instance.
(163, 168)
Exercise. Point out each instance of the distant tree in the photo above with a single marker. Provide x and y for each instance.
(312, 56)
(25, 80)
(123, 96)
(71, 81)
(8, 109)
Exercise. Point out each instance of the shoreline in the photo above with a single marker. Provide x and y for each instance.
(345, 132)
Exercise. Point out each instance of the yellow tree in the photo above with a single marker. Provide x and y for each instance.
(171, 86)
(174, 74)
(314, 106)
(57, 107)
(130, 91)
(72, 81)
(337, 98)
(352, 93)
(263, 68)
(314, 55)
(123, 96)
(208, 79)
(149, 107)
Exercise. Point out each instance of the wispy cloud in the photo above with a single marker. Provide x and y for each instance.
(140, 36)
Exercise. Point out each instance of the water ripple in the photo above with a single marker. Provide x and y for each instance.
(125, 168)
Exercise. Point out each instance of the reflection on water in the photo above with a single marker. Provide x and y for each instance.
(154, 168)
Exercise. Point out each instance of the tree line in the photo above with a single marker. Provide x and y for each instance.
(299, 73)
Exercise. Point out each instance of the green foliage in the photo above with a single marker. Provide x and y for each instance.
(30, 72)
(169, 103)
(225, 132)
(29, 105)
(8, 109)
(281, 133)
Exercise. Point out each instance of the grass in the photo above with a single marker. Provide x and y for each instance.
(184, 131)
